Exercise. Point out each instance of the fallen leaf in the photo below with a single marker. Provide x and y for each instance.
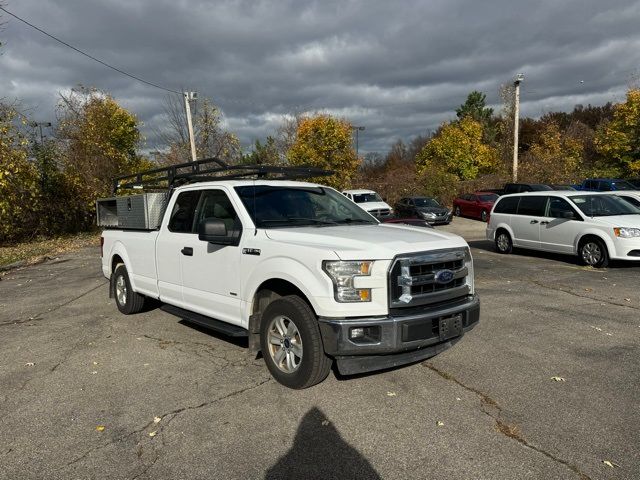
(588, 289)
(609, 463)
(95, 363)
(153, 434)
(156, 419)
(458, 398)
(29, 364)
(609, 334)
(94, 372)
(558, 379)
(439, 423)
(325, 422)
(627, 299)
(391, 394)
(100, 428)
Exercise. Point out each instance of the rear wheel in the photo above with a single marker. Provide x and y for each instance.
(593, 252)
(127, 300)
(291, 344)
(503, 242)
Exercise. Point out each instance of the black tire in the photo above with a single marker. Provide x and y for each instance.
(457, 212)
(483, 216)
(504, 244)
(313, 365)
(127, 301)
(593, 252)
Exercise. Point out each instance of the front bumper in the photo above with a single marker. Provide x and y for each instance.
(402, 339)
(438, 220)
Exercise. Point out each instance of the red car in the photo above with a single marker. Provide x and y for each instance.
(476, 205)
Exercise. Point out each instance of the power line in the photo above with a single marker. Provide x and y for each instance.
(90, 56)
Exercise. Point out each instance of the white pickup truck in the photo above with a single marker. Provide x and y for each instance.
(303, 272)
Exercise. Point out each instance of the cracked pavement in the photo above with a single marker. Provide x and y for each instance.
(485, 409)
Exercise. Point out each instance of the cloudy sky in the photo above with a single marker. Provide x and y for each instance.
(398, 68)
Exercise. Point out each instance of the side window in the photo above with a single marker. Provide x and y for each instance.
(183, 212)
(473, 198)
(216, 204)
(633, 201)
(558, 207)
(507, 205)
(532, 206)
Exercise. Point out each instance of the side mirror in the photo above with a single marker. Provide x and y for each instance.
(214, 230)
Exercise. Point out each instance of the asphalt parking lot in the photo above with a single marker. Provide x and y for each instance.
(88, 393)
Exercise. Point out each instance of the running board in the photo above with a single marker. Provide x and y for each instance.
(206, 322)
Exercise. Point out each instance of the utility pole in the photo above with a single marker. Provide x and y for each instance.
(188, 97)
(357, 129)
(516, 120)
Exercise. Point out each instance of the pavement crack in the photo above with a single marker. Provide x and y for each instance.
(38, 316)
(568, 291)
(491, 408)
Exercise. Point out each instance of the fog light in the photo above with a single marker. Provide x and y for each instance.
(356, 333)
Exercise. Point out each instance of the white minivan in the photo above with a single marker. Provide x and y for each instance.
(595, 226)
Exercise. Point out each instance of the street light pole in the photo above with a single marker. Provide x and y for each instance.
(188, 97)
(516, 117)
(357, 129)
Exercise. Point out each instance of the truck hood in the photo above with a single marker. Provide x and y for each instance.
(375, 242)
(368, 206)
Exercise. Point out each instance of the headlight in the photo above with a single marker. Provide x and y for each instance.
(624, 232)
(428, 215)
(342, 274)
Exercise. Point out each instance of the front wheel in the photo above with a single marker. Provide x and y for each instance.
(291, 344)
(127, 300)
(457, 211)
(503, 242)
(593, 252)
(483, 216)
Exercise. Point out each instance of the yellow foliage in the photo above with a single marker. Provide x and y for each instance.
(619, 140)
(326, 142)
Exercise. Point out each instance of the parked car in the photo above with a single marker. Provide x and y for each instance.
(370, 202)
(510, 188)
(606, 185)
(635, 182)
(633, 197)
(475, 205)
(595, 226)
(426, 208)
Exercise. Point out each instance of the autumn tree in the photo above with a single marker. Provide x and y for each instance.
(100, 139)
(554, 157)
(19, 180)
(326, 142)
(618, 141)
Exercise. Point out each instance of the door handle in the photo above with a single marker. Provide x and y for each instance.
(533, 222)
(544, 223)
(188, 251)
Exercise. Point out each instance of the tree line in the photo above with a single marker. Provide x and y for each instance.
(48, 186)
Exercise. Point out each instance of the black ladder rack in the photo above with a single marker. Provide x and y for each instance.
(210, 169)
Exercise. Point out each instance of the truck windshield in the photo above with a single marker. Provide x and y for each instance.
(603, 205)
(272, 206)
(366, 197)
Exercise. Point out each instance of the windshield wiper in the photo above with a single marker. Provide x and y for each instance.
(355, 220)
(314, 221)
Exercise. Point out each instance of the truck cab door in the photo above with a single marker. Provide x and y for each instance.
(210, 273)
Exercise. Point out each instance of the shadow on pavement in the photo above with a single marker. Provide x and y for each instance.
(319, 451)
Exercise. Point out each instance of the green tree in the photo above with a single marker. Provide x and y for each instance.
(326, 142)
(264, 154)
(618, 141)
(475, 107)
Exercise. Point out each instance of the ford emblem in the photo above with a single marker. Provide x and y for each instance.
(443, 276)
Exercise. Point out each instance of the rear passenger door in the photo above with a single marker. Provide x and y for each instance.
(560, 227)
(526, 223)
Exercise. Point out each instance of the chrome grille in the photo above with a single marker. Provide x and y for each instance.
(418, 279)
(380, 212)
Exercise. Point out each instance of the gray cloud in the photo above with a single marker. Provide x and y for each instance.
(398, 68)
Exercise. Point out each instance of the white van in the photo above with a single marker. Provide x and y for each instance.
(370, 202)
(595, 226)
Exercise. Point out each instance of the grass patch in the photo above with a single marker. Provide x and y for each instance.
(36, 250)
